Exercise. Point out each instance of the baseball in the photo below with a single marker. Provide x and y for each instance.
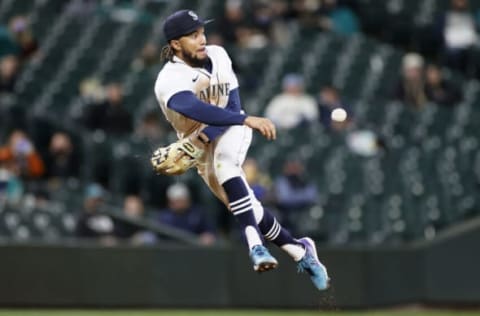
(339, 115)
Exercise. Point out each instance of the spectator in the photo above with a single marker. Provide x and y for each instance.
(232, 20)
(117, 119)
(62, 159)
(337, 18)
(260, 183)
(91, 223)
(182, 214)
(27, 43)
(21, 154)
(133, 209)
(457, 28)
(8, 45)
(150, 128)
(304, 12)
(110, 115)
(267, 18)
(262, 17)
(11, 187)
(334, 114)
(280, 30)
(439, 90)
(293, 107)
(235, 29)
(293, 191)
(8, 74)
(411, 88)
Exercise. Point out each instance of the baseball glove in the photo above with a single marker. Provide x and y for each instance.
(176, 158)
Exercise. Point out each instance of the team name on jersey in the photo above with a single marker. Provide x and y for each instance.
(214, 91)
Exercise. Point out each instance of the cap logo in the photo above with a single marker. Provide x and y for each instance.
(193, 15)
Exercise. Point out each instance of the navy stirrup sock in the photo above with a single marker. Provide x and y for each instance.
(274, 232)
(241, 207)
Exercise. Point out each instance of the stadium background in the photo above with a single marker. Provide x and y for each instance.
(395, 214)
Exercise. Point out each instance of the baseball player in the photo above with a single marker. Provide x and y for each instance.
(198, 93)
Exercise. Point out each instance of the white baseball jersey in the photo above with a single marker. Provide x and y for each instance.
(211, 87)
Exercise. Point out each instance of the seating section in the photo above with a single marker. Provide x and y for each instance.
(426, 179)
(412, 24)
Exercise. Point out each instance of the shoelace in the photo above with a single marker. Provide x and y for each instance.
(259, 251)
(310, 261)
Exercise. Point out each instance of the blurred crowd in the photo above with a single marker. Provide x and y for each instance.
(250, 24)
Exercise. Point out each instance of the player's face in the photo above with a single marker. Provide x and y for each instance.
(192, 48)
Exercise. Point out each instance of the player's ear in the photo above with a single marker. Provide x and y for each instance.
(175, 44)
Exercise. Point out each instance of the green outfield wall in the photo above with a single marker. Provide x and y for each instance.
(444, 271)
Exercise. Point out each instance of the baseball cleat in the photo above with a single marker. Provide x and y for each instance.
(310, 264)
(262, 259)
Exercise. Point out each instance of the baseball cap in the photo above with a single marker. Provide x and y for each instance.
(182, 22)
(292, 79)
(178, 191)
(94, 191)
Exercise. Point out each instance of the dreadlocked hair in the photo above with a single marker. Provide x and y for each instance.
(167, 53)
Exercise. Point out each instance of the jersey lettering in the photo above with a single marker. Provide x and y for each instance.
(214, 91)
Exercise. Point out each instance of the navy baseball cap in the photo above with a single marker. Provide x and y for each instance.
(181, 23)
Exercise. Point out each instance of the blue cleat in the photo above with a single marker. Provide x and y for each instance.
(313, 266)
(262, 259)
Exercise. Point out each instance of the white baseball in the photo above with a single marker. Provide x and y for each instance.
(339, 115)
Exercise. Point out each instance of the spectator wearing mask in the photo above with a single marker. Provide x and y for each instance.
(62, 160)
(293, 191)
(293, 107)
(439, 90)
(21, 154)
(184, 215)
(110, 115)
(133, 209)
(27, 43)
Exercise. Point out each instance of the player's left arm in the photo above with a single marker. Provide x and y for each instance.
(210, 133)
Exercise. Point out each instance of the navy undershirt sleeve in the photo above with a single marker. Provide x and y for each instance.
(234, 101)
(233, 105)
(186, 103)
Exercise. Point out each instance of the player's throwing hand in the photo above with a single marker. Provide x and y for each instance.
(263, 125)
